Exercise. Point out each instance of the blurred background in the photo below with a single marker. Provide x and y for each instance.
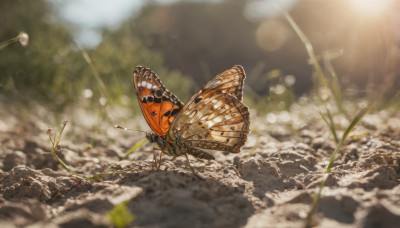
(77, 47)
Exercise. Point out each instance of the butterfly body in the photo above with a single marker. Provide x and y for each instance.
(214, 119)
(175, 149)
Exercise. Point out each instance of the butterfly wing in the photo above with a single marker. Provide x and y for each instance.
(158, 105)
(215, 118)
(230, 82)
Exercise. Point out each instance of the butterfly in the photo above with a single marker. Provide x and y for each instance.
(214, 119)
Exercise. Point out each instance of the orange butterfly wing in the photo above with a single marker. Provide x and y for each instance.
(158, 105)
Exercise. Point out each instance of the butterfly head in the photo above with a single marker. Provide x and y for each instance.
(153, 138)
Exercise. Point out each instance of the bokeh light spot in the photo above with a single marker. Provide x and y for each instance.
(369, 7)
(271, 35)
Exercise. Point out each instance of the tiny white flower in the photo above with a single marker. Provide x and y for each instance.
(87, 93)
(290, 80)
(23, 39)
(102, 101)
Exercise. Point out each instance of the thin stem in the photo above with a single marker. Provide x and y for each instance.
(317, 198)
(310, 50)
(66, 166)
(331, 127)
(96, 74)
(358, 117)
(139, 144)
(59, 135)
(100, 118)
(55, 143)
(335, 85)
(52, 142)
(4, 44)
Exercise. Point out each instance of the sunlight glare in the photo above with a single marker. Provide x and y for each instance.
(369, 7)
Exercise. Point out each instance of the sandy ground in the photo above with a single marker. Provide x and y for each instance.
(269, 184)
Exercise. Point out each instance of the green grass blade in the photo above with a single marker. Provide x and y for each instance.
(139, 144)
(315, 202)
(317, 198)
(310, 50)
(96, 74)
(353, 123)
(331, 127)
(336, 88)
(100, 176)
(120, 215)
(46, 153)
(95, 177)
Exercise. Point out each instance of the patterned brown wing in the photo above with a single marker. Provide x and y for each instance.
(230, 81)
(215, 118)
(158, 105)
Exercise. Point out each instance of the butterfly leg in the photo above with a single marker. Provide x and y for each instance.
(154, 162)
(159, 161)
(191, 168)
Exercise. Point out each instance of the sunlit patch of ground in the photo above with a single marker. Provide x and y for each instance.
(269, 184)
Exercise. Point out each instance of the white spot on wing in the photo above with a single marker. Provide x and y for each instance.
(144, 83)
(217, 119)
(148, 86)
(218, 104)
(211, 83)
(209, 124)
(211, 116)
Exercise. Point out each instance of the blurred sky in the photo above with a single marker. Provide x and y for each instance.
(89, 16)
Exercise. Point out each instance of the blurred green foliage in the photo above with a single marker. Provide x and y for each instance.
(52, 68)
(43, 68)
(118, 54)
(188, 42)
(120, 215)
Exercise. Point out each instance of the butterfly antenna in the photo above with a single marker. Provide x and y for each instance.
(126, 129)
